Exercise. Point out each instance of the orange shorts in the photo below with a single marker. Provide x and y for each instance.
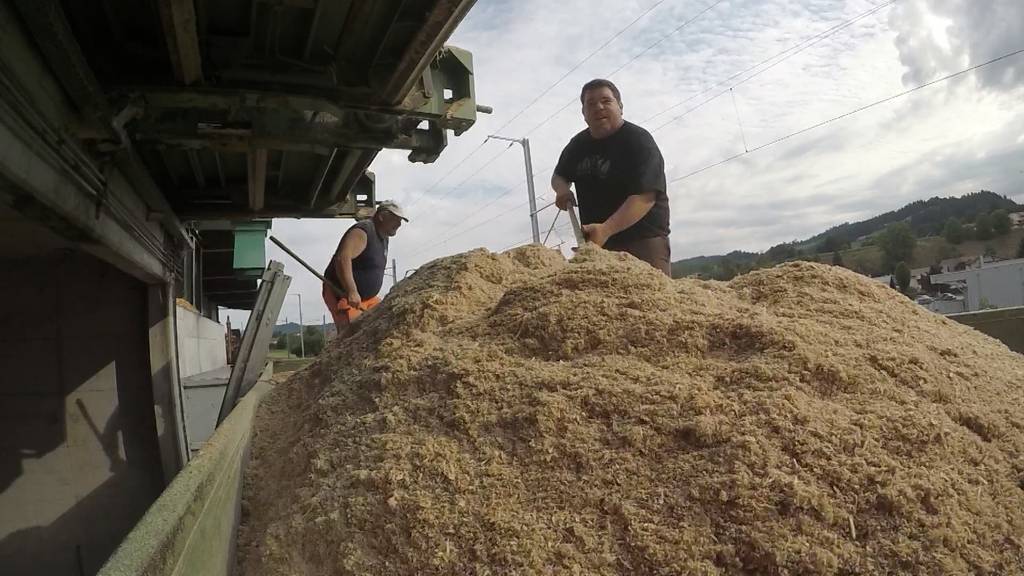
(342, 313)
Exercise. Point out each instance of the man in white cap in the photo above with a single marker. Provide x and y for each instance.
(359, 264)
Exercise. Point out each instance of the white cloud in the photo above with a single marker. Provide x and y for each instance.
(950, 139)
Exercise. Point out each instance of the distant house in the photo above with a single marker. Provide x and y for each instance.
(915, 276)
(960, 263)
(994, 284)
(887, 279)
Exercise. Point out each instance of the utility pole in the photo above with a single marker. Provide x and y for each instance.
(302, 338)
(394, 272)
(525, 143)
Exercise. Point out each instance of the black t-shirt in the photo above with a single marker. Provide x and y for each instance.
(609, 170)
(367, 268)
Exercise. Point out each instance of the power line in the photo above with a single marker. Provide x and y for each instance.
(507, 191)
(847, 114)
(571, 101)
(580, 63)
(529, 240)
(628, 62)
(475, 172)
(470, 229)
(784, 54)
(448, 173)
(537, 99)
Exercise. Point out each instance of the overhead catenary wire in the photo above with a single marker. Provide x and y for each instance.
(529, 240)
(475, 172)
(622, 67)
(781, 57)
(544, 92)
(634, 58)
(778, 59)
(579, 64)
(553, 222)
(454, 167)
(738, 121)
(471, 228)
(850, 113)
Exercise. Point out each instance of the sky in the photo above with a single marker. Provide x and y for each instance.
(711, 79)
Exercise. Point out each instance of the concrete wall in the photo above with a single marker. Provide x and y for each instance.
(1005, 325)
(200, 343)
(79, 462)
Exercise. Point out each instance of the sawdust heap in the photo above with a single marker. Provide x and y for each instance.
(517, 414)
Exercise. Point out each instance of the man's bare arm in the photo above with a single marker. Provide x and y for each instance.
(351, 247)
(632, 210)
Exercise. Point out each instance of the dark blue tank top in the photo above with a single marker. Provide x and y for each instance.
(367, 268)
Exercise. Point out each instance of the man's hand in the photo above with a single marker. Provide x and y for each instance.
(354, 300)
(563, 200)
(596, 233)
(563, 191)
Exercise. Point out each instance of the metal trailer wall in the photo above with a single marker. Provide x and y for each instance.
(191, 528)
(1005, 325)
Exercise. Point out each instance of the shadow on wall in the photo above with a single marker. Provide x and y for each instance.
(79, 462)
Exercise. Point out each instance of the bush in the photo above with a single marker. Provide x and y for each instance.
(897, 243)
(312, 338)
(902, 277)
(953, 232)
(983, 227)
(1001, 223)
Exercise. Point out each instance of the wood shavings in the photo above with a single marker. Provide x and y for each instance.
(519, 414)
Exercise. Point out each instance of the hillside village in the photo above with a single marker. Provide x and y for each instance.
(934, 251)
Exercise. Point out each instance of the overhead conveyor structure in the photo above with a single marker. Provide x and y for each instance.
(145, 148)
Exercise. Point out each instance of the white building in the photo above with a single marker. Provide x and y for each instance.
(996, 284)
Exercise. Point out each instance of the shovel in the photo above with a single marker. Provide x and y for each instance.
(577, 230)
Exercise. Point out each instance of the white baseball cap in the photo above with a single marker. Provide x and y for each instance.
(393, 207)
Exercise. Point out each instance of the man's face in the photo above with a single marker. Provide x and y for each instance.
(389, 223)
(602, 111)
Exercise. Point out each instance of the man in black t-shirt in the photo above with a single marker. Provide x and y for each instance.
(619, 175)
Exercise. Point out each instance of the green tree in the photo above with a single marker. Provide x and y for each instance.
(902, 276)
(990, 251)
(897, 243)
(983, 227)
(781, 252)
(833, 243)
(1020, 249)
(312, 339)
(1001, 223)
(837, 258)
(282, 342)
(953, 232)
(725, 270)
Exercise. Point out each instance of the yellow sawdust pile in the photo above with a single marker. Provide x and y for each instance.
(518, 414)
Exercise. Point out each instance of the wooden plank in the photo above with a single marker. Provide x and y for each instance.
(179, 21)
(257, 178)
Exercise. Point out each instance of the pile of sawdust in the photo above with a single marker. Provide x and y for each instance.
(517, 414)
